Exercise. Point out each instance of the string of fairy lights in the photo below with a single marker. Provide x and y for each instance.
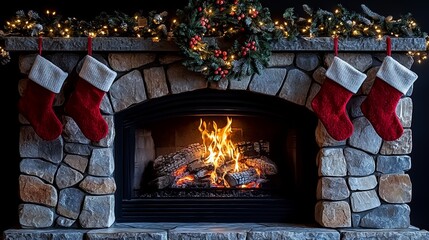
(158, 26)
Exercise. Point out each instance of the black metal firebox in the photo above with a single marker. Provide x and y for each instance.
(288, 130)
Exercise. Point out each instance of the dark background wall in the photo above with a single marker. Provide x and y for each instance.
(9, 76)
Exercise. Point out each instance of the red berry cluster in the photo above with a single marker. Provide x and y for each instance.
(205, 22)
(220, 3)
(194, 41)
(221, 54)
(250, 46)
(221, 72)
(241, 16)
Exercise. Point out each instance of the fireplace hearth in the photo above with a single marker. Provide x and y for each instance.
(154, 108)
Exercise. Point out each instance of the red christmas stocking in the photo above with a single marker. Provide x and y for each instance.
(35, 105)
(329, 104)
(94, 81)
(391, 82)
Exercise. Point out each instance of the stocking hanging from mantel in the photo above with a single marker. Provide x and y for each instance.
(392, 81)
(36, 103)
(95, 79)
(341, 82)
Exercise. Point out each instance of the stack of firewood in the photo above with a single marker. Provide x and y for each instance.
(188, 168)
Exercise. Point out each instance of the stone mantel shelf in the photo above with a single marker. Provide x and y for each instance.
(123, 44)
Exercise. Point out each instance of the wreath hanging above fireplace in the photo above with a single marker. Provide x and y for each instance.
(246, 27)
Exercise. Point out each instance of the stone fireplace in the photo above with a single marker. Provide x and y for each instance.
(341, 188)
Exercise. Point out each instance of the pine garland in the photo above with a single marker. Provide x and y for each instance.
(245, 27)
(344, 23)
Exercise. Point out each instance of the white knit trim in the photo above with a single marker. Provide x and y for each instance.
(96, 73)
(345, 74)
(396, 74)
(47, 74)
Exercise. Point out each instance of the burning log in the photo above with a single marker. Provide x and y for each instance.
(162, 182)
(225, 168)
(267, 166)
(167, 164)
(188, 180)
(263, 147)
(254, 149)
(203, 174)
(196, 166)
(240, 178)
(192, 184)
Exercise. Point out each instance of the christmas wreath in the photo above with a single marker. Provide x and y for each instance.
(225, 38)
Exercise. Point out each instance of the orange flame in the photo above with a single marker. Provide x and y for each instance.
(219, 148)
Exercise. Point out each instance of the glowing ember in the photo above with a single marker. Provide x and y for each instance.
(179, 172)
(184, 180)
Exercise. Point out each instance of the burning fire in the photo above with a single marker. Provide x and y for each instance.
(219, 148)
(220, 163)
